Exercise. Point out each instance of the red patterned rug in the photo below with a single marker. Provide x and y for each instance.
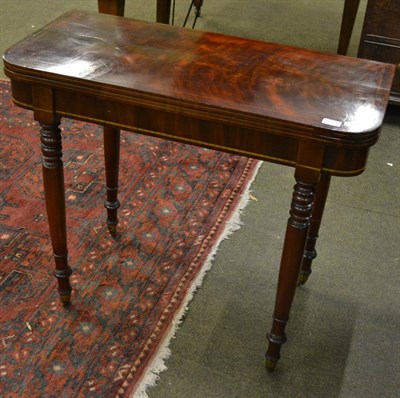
(177, 201)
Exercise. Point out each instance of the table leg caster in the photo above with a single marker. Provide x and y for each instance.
(65, 298)
(112, 229)
(303, 277)
(112, 207)
(270, 365)
(62, 275)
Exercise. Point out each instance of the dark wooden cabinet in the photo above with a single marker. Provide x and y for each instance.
(380, 38)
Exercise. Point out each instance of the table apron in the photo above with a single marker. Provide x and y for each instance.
(273, 143)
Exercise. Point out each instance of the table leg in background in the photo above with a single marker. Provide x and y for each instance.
(346, 29)
(163, 11)
(111, 157)
(112, 7)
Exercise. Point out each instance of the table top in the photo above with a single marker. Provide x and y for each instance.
(296, 86)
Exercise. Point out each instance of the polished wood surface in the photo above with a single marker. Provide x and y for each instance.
(255, 80)
(319, 113)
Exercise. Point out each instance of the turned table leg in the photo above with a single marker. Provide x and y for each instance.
(53, 179)
(111, 157)
(310, 253)
(292, 254)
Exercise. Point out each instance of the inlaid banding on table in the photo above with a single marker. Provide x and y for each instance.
(202, 143)
(272, 125)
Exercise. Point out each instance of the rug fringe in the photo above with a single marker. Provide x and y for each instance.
(157, 365)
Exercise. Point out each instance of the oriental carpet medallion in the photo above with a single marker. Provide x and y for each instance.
(176, 203)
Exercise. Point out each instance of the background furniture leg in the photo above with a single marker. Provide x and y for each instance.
(112, 7)
(318, 210)
(293, 249)
(346, 29)
(197, 4)
(53, 180)
(163, 11)
(111, 157)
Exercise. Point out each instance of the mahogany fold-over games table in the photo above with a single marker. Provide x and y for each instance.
(319, 113)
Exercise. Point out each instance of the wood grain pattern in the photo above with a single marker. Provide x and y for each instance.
(319, 113)
(212, 70)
